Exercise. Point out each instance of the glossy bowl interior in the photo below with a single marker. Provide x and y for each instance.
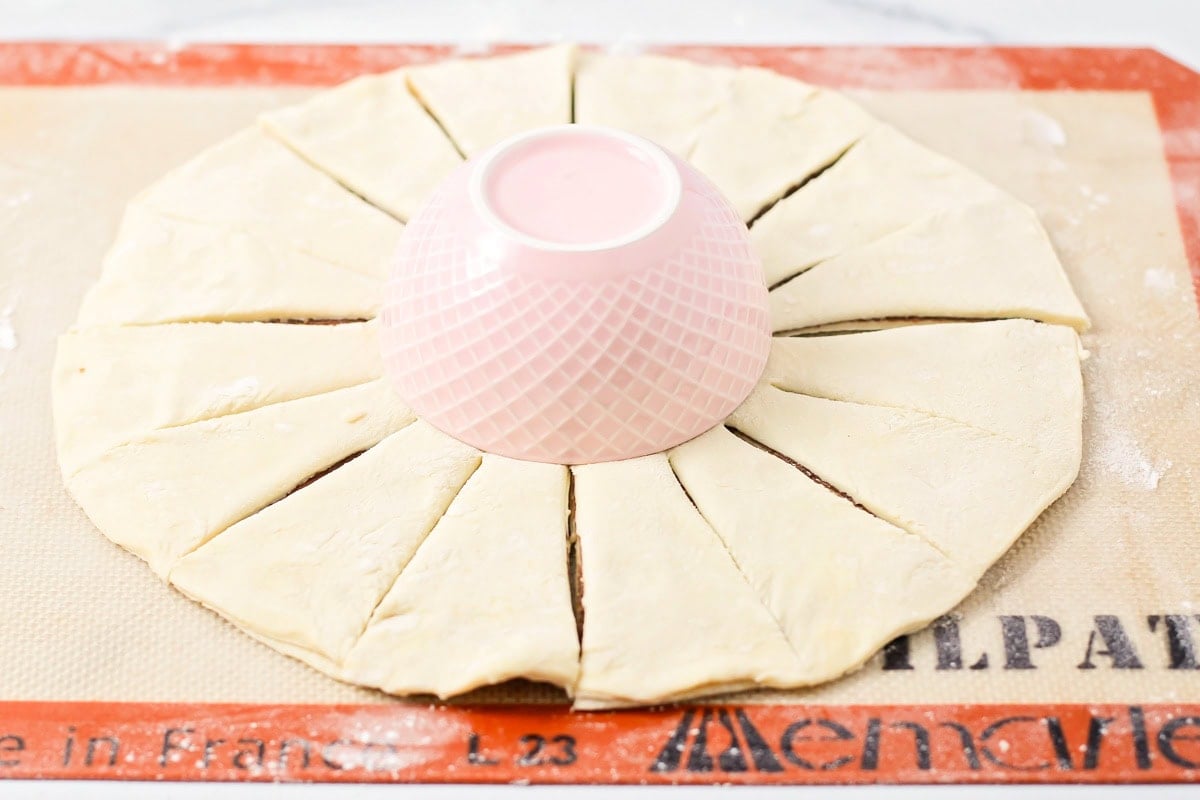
(575, 295)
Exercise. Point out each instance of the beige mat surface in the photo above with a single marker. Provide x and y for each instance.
(1099, 601)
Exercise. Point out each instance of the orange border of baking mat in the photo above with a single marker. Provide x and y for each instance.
(752, 744)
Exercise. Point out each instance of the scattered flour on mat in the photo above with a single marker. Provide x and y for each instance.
(18, 199)
(628, 45)
(473, 47)
(1159, 279)
(8, 334)
(1120, 455)
(1041, 128)
(1096, 200)
(8, 330)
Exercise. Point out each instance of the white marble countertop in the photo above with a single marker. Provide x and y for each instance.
(1172, 26)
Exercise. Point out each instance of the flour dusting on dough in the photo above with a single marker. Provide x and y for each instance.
(241, 389)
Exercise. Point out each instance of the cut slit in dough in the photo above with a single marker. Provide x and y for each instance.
(883, 183)
(665, 100)
(666, 612)
(252, 184)
(310, 569)
(485, 598)
(989, 260)
(967, 491)
(213, 273)
(482, 101)
(114, 384)
(192, 482)
(772, 134)
(1016, 378)
(373, 137)
(841, 582)
(866, 325)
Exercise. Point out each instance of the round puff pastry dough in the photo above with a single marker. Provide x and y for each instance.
(268, 471)
(373, 137)
(480, 102)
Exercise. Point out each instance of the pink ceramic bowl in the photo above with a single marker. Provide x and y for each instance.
(573, 295)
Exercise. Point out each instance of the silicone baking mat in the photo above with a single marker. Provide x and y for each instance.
(1076, 660)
